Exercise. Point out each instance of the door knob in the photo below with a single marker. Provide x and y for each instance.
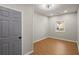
(19, 37)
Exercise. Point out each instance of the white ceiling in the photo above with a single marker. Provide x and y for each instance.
(58, 9)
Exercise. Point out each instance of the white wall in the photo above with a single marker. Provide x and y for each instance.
(78, 28)
(37, 28)
(40, 27)
(70, 26)
(27, 25)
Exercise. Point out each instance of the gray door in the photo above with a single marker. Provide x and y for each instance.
(10, 32)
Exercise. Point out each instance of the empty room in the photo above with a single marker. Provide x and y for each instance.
(56, 29)
(39, 29)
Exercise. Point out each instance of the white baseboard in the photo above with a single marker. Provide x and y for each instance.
(63, 39)
(40, 39)
(55, 38)
(78, 46)
(30, 52)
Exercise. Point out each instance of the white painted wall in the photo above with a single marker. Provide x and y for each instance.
(70, 26)
(37, 27)
(40, 27)
(27, 25)
(78, 28)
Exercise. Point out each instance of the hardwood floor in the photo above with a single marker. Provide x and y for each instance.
(52, 46)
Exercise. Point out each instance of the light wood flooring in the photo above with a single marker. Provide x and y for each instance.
(50, 46)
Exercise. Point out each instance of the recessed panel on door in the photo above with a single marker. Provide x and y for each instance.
(10, 31)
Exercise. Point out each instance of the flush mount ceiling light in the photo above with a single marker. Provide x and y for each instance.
(47, 6)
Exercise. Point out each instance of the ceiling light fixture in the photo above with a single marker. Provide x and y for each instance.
(47, 6)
